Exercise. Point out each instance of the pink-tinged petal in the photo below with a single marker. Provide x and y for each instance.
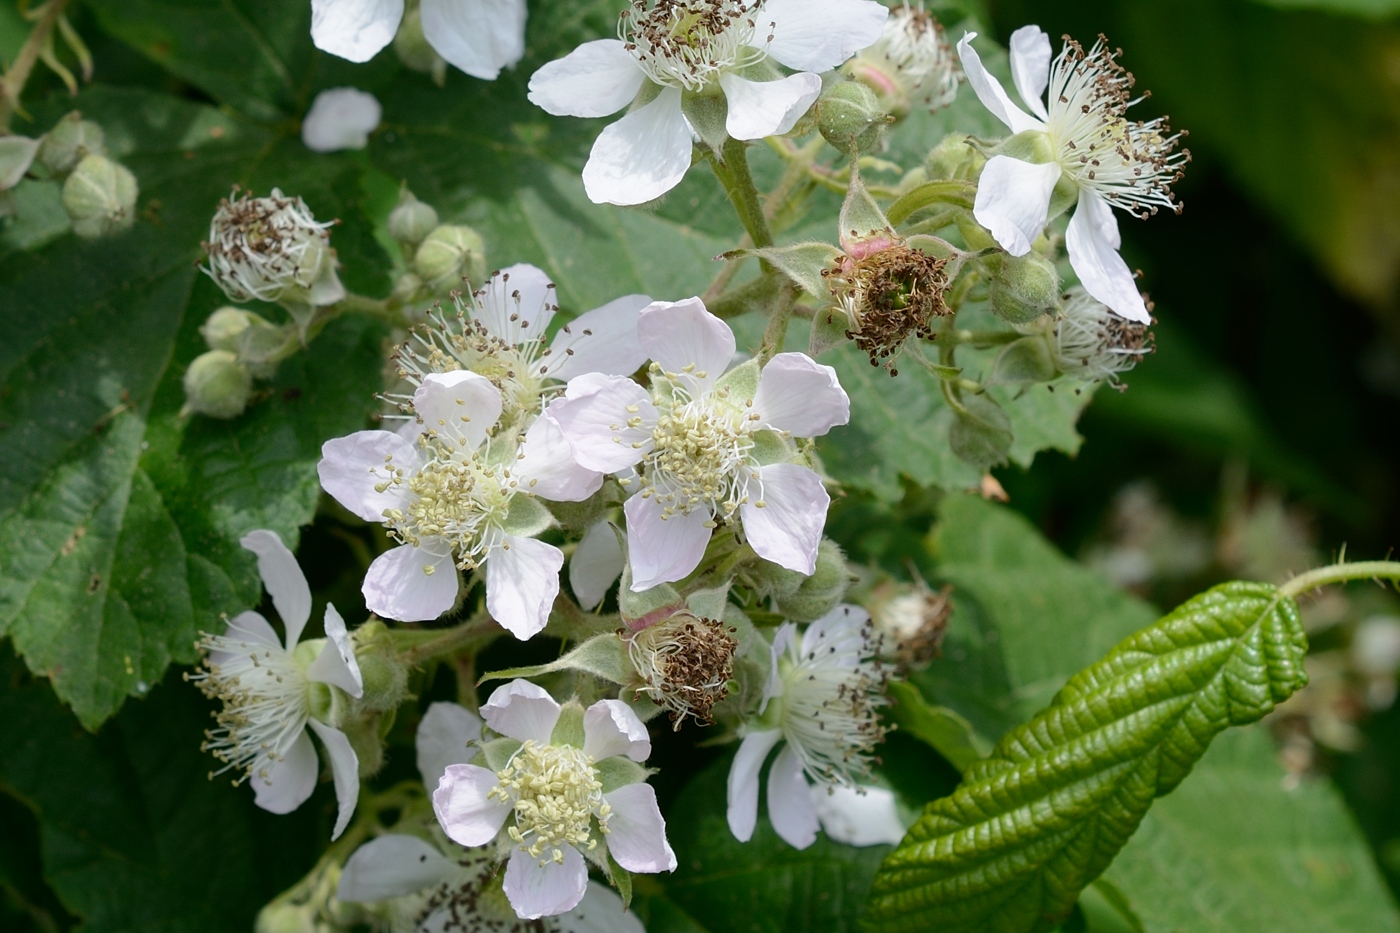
(785, 514)
(841, 632)
(773, 687)
(412, 584)
(392, 865)
(290, 781)
(790, 808)
(522, 580)
(600, 911)
(637, 830)
(345, 772)
(858, 816)
(642, 156)
(252, 634)
(818, 35)
(480, 36)
(801, 396)
(767, 108)
(285, 583)
(1013, 201)
(990, 92)
(517, 304)
(336, 664)
(611, 728)
(1092, 243)
(546, 466)
(354, 29)
(464, 807)
(594, 80)
(596, 564)
(603, 340)
(663, 550)
(444, 734)
(1030, 66)
(681, 334)
(460, 405)
(340, 118)
(352, 467)
(594, 415)
(536, 890)
(522, 711)
(743, 781)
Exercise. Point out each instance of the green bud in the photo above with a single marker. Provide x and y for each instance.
(224, 328)
(100, 197)
(70, 140)
(448, 255)
(1023, 287)
(413, 50)
(367, 739)
(262, 345)
(849, 116)
(217, 385)
(384, 676)
(823, 590)
(411, 220)
(954, 157)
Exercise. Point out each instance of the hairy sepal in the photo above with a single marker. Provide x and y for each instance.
(602, 656)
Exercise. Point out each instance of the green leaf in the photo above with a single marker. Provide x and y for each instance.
(1032, 825)
(948, 733)
(981, 432)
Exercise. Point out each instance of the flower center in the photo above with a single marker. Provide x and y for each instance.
(555, 793)
(259, 246)
(686, 663)
(440, 347)
(458, 495)
(889, 296)
(689, 43)
(701, 449)
(1093, 343)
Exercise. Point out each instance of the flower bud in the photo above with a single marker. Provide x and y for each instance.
(100, 197)
(262, 345)
(450, 254)
(272, 249)
(384, 675)
(411, 220)
(912, 64)
(413, 50)
(1090, 342)
(954, 157)
(217, 385)
(69, 142)
(225, 327)
(1023, 287)
(850, 116)
(823, 590)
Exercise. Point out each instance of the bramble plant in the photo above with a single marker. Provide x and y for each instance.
(578, 366)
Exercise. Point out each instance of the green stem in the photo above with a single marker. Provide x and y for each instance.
(979, 338)
(734, 174)
(18, 74)
(1341, 573)
(776, 331)
(424, 646)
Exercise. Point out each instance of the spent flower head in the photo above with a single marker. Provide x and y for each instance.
(1091, 343)
(272, 249)
(685, 663)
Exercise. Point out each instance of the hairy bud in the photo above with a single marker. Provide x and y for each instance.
(70, 141)
(850, 116)
(1023, 287)
(412, 220)
(225, 327)
(823, 590)
(272, 249)
(685, 664)
(450, 254)
(217, 385)
(100, 197)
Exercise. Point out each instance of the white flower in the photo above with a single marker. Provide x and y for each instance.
(695, 441)
(340, 118)
(268, 691)
(1092, 344)
(912, 60)
(858, 816)
(1111, 160)
(821, 702)
(671, 48)
(272, 249)
(478, 36)
(567, 801)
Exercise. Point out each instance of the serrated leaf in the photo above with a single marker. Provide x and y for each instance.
(1011, 849)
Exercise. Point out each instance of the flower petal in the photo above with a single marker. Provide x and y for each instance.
(594, 80)
(285, 582)
(642, 156)
(594, 415)
(412, 584)
(536, 890)
(790, 807)
(818, 35)
(773, 687)
(1030, 66)
(637, 830)
(522, 580)
(522, 711)
(340, 118)
(478, 36)
(354, 29)
(767, 108)
(345, 772)
(785, 525)
(681, 334)
(1013, 201)
(611, 728)
(841, 632)
(858, 816)
(1092, 242)
(990, 92)
(352, 467)
(742, 810)
(392, 865)
(546, 466)
(444, 734)
(336, 663)
(290, 781)
(801, 396)
(603, 340)
(596, 564)
(251, 633)
(517, 304)
(661, 549)
(600, 911)
(460, 405)
(464, 807)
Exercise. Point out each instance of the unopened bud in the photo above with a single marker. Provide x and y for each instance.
(685, 664)
(383, 674)
(1092, 343)
(954, 157)
(100, 197)
(823, 590)
(217, 385)
(413, 50)
(69, 142)
(272, 249)
(411, 220)
(450, 254)
(850, 116)
(1023, 287)
(225, 327)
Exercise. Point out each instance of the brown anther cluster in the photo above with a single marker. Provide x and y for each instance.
(889, 296)
(686, 663)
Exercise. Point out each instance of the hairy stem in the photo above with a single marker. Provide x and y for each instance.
(1341, 573)
(431, 644)
(734, 174)
(12, 86)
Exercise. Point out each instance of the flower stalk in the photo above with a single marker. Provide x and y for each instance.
(37, 46)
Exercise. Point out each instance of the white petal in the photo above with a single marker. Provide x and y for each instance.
(393, 865)
(1030, 66)
(252, 633)
(841, 632)
(1013, 201)
(801, 396)
(1092, 243)
(522, 711)
(611, 728)
(517, 304)
(478, 36)
(354, 29)
(522, 580)
(345, 772)
(340, 118)
(790, 808)
(600, 911)
(990, 91)
(858, 816)
(593, 415)
(461, 405)
(290, 781)
(603, 340)
(637, 837)
(336, 663)
(285, 582)
(594, 80)
(663, 550)
(678, 334)
(818, 35)
(596, 564)
(464, 809)
(412, 584)
(642, 156)
(767, 108)
(444, 734)
(536, 890)
(743, 781)
(351, 467)
(773, 687)
(785, 525)
(546, 466)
